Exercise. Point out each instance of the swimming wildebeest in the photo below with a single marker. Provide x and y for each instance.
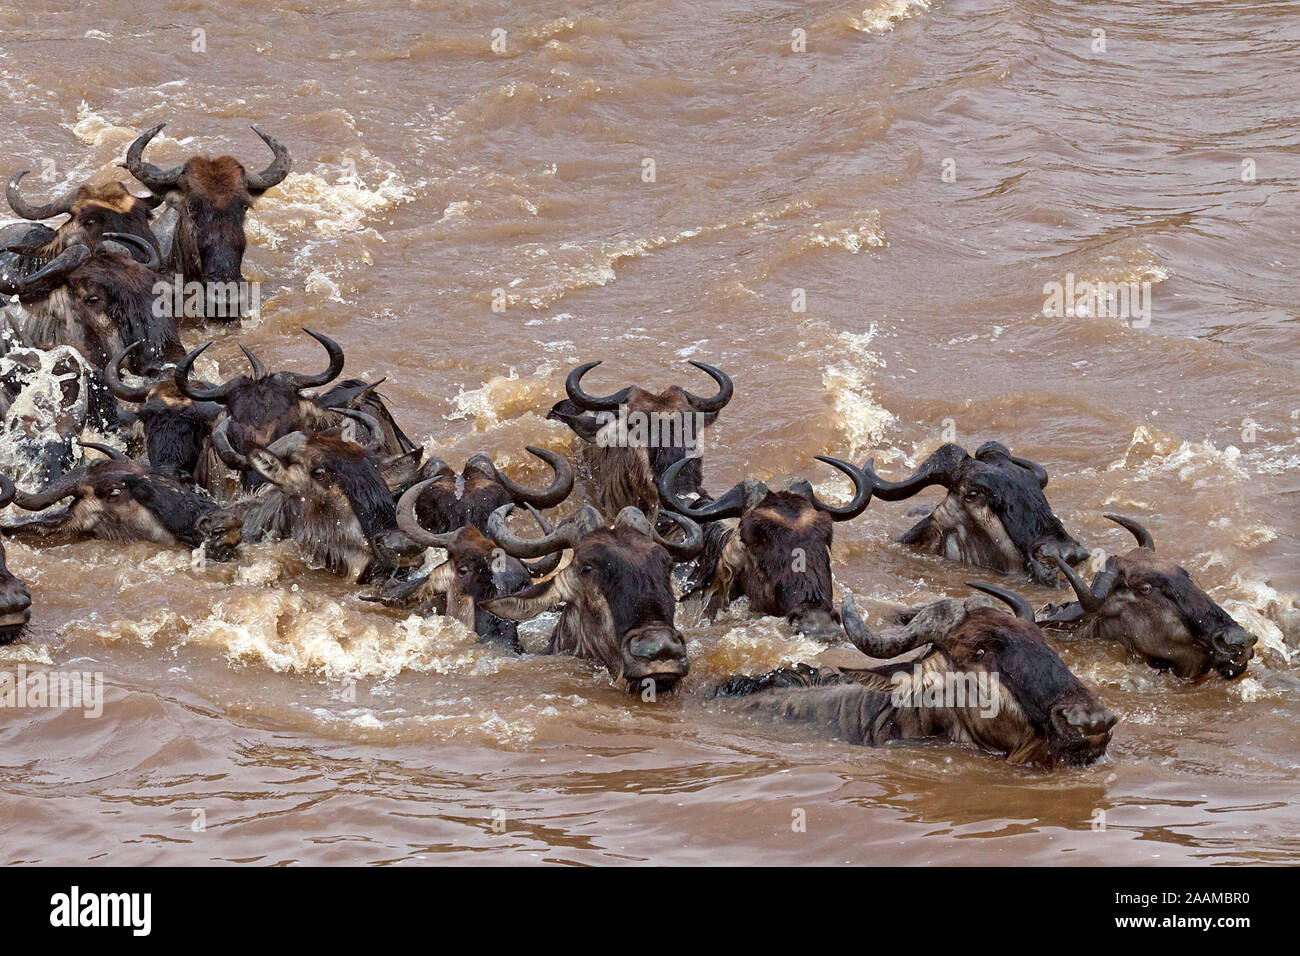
(476, 571)
(15, 600)
(118, 499)
(778, 555)
(1156, 611)
(448, 501)
(616, 591)
(989, 680)
(994, 515)
(327, 494)
(210, 199)
(92, 211)
(631, 437)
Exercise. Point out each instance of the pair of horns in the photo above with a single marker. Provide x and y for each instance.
(411, 527)
(220, 393)
(747, 493)
(609, 403)
(59, 207)
(573, 529)
(286, 443)
(161, 180)
(942, 467)
(54, 272)
(933, 624)
(560, 487)
(1092, 598)
(58, 489)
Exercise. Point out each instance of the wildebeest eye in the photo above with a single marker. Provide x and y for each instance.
(464, 569)
(318, 473)
(587, 569)
(979, 654)
(91, 299)
(1144, 588)
(972, 496)
(114, 494)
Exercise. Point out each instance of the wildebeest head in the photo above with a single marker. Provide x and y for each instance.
(616, 591)
(264, 406)
(632, 436)
(476, 571)
(778, 556)
(99, 301)
(448, 501)
(211, 198)
(92, 211)
(1042, 715)
(994, 515)
(328, 495)
(15, 600)
(118, 499)
(1157, 611)
(176, 428)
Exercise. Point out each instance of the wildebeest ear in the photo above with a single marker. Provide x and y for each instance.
(264, 460)
(586, 425)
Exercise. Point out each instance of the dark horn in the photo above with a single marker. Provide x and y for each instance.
(1011, 598)
(410, 524)
(151, 261)
(897, 640)
(376, 430)
(586, 520)
(1038, 470)
(730, 505)
(158, 180)
(939, 469)
(59, 207)
(542, 566)
(1090, 602)
(111, 452)
(51, 275)
(717, 402)
(591, 403)
(259, 370)
(274, 174)
(685, 550)
(1143, 536)
(113, 377)
(199, 393)
(225, 451)
(55, 491)
(861, 491)
(550, 496)
(331, 372)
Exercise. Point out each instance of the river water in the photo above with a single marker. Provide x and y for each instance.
(647, 183)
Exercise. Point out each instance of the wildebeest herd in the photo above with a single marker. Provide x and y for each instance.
(320, 460)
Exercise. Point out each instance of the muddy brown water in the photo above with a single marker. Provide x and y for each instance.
(920, 171)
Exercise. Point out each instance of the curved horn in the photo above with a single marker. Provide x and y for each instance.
(51, 275)
(151, 261)
(112, 453)
(591, 403)
(1090, 602)
(373, 426)
(158, 180)
(1011, 598)
(730, 505)
(1038, 470)
(939, 469)
(543, 566)
(687, 549)
(331, 372)
(891, 643)
(717, 402)
(225, 451)
(1143, 536)
(60, 206)
(259, 370)
(113, 377)
(550, 496)
(199, 393)
(410, 524)
(861, 491)
(569, 531)
(274, 174)
(7, 491)
(55, 491)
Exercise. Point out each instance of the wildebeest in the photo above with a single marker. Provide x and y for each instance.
(99, 301)
(326, 493)
(778, 555)
(1157, 611)
(176, 428)
(265, 406)
(118, 499)
(448, 501)
(15, 599)
(994, 515)
(616, 591)
(631, 437)
(92, 210)
(210, 199)
(476, 571)
(989, 680)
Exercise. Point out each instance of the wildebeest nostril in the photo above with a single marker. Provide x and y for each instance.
(1086, 720)
(656, 646)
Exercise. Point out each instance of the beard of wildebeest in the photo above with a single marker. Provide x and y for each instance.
(92, 212)
(993, 516)
(1157, 612)
(778, 556)
(631, 437)
(617, 593)
(989, 680)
